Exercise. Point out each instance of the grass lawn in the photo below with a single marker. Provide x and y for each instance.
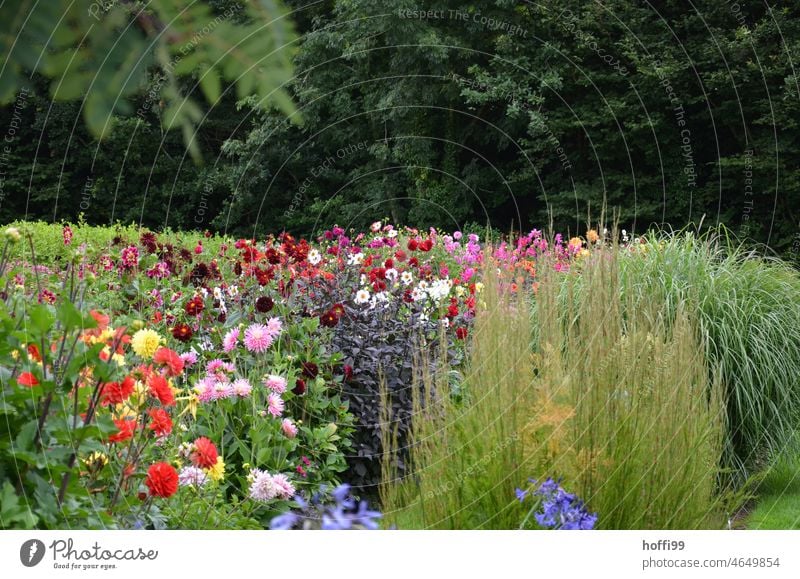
(778, 502)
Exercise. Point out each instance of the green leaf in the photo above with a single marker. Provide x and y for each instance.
(211, 85)
(41, 318)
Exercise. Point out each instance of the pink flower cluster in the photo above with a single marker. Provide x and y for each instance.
(218, 384)
(259, 337)
(266, 487)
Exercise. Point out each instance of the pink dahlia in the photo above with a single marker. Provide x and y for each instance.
(189, 358)
(192, 476)
(257, 338)
(241, 388)
(275, 404)
(289, 428)
(231, 340)
(262, 487)
(274, 327)
(276, 383)
(283, 488)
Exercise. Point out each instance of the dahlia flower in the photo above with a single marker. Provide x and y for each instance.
(275, 404)
(276, 383)
(231, 340)
(145, 342)
(257, 338)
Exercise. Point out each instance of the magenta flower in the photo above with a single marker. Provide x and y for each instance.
(258, 337)
(230, 341)
(274, 327)
(276, 383)
(242, 388)
(275, 404)
(289, 428)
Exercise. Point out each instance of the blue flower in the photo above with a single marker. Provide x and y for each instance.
(559, 509)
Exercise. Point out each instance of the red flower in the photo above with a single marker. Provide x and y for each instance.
(329, 319)
(413, 262)
(413, 244)
(160, 422)
(195, 306)
(27, 379)
(310, 370)
(125, 428)
(160, 389)
(117, 392)
(426, 245)
(170, 359)
(461, 333)
(162, 480)
(205, 453)
(182, 333)
(347, 370)
(299, 387)
(33, 352)
(338, 310)
(264, 304)
(273, 256)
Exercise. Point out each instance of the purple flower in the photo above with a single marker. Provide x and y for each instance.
(558, 509)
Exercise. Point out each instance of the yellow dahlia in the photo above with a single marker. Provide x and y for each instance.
(145, 343)
(217, 472)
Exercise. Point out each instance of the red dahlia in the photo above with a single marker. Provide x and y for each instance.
(160, 422)
(328, 319)
(299, 387)
(461, 333)
(159, 388)
(413, 244)
(264, 304)
(310, 370)
(194, 307)
(117, 392)
(170, 359)
(162, 480)
(182, 332)
(27, 379)
(205, 453)
(125, 427)
(426, 245)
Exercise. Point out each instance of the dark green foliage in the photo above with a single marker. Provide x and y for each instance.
(504, 112)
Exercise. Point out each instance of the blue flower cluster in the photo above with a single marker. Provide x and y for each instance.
(558, 509)
(344, 514)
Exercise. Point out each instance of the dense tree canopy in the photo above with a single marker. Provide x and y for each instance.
(451, 112)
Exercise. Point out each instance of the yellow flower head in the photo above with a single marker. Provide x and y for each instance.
(217, 472)
(96, 460)
(592, 236)
(145, 343)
